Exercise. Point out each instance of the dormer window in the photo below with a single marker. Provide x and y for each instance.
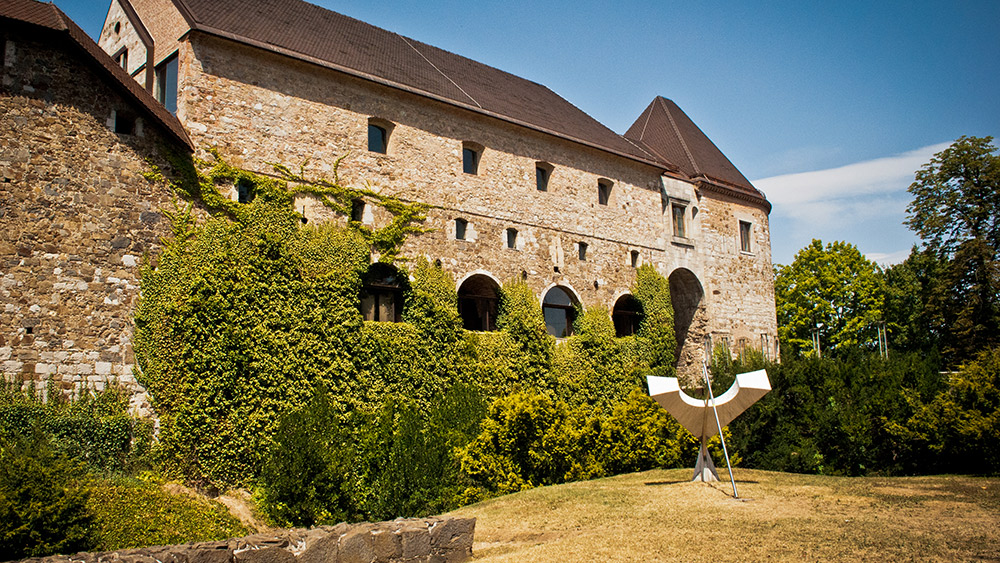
(604, 191)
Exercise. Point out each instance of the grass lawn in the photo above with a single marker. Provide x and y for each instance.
(661, 516)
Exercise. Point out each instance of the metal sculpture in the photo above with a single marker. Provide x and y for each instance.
(694, 414)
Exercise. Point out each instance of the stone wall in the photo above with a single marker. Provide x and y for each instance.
(424, 540)
(76, 218)
(258, 107)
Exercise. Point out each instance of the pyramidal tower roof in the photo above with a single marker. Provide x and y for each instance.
(667, 132)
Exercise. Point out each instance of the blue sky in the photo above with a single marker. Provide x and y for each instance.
(828, 107)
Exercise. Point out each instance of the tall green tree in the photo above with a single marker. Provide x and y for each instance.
(834, 289)
(956, 212)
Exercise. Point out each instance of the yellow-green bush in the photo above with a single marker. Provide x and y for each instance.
(133, 513)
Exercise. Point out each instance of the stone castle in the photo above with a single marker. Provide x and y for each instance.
(523, 184)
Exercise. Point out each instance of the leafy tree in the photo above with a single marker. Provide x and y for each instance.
(913, 293)
(833, 287)
(956, 211)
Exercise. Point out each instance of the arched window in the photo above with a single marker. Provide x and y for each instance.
(382, 294)
(626, 315)
(559, 310)
(478, 298)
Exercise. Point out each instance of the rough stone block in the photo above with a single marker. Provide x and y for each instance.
(416, 540)
(453, 534)
(356, 546)
(387, 544)
(266, 555)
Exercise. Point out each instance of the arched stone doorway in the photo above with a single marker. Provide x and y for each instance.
(690, 322)
(478, 297)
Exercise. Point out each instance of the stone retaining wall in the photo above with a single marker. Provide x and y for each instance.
(417, 540)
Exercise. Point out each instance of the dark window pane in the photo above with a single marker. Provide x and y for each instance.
(377, 139)
(244, 192)
(557, 322)
(511, 238)
(541, 179)
(470, 161)
(583, 251)
(460, 225)
(603, 193)
(166, 78)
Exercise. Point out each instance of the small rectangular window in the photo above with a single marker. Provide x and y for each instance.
(357, 210)
(583, 251)
(635, 258)
(745, 230)
(166, 84)
(124, 123)
(603, 192)
(512, 238)
(244, 192)
(677, 212)
(378, 138)
(542, 177)
(460, 225)
(470, 161)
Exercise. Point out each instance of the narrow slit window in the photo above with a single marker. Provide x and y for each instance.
(460, 227)
(542, 173)
(512, 238)
(746, 229)
(470, 160)
(583, 251)
(635, 258)
(603, 192)
(357, 210)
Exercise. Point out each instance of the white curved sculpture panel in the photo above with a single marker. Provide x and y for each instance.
(696, 414)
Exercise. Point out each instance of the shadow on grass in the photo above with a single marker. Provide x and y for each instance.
(658, 483)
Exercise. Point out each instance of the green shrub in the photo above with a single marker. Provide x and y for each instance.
(520, 316)
(132, 513)
(94, 428)
(657, 327)
(305, 479)
(43, 500)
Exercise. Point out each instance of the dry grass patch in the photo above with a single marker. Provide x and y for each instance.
(661, 516)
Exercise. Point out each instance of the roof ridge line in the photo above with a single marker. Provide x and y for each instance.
(680, 137)
(646, 123)
(417, 51)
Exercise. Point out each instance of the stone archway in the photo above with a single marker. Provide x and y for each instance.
(690, 323)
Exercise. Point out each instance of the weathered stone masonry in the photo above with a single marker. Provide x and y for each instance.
(76, 215)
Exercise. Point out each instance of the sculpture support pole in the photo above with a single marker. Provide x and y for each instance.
(718, 423)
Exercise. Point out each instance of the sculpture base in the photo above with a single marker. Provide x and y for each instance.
(704, 470)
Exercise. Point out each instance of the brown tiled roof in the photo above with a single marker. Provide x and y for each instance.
(52, 18)
(302, 30)
(666, 131)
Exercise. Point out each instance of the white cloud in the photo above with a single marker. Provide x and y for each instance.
(862, 203)
(877, 176)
